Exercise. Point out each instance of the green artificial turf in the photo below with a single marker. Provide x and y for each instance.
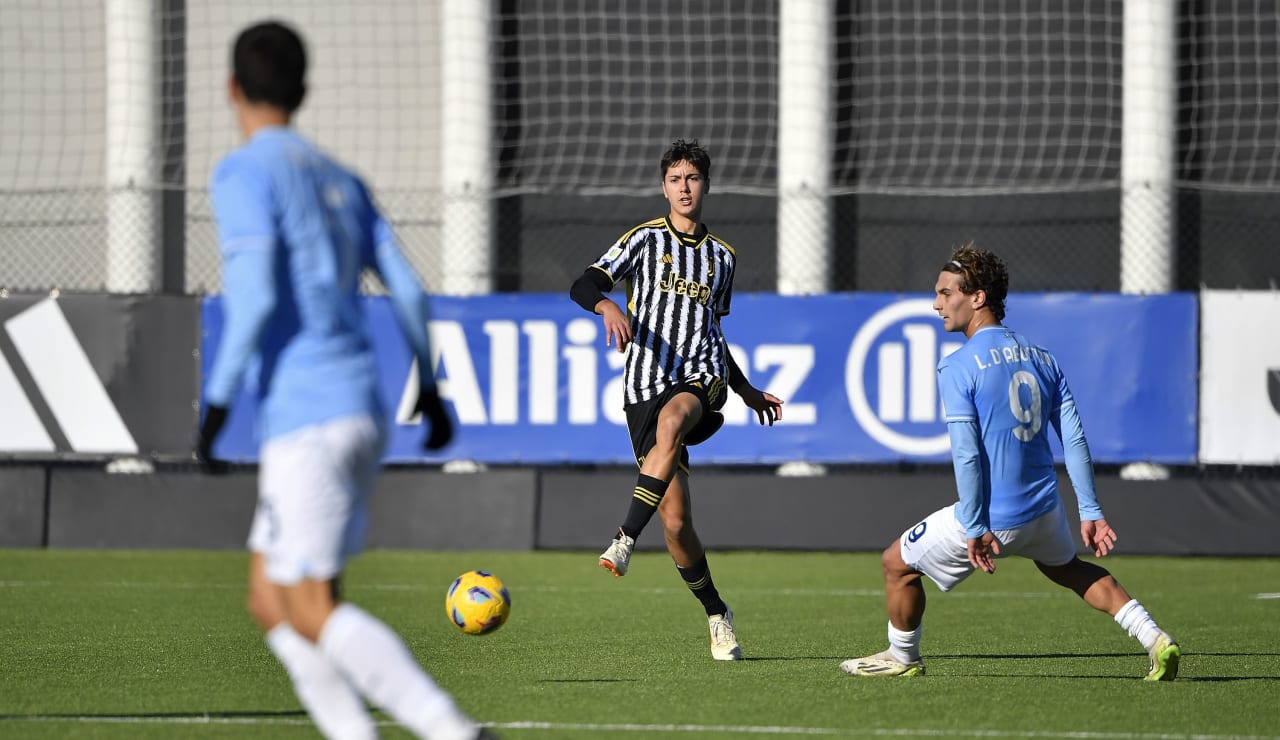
(109, 644)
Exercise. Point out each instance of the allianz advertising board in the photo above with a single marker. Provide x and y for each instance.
(530, 381)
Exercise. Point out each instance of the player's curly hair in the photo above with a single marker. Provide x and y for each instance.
(269, 62)
(686, 151)
(981, 270)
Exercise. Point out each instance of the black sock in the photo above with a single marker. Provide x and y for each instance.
(644, 502)
(698, 578)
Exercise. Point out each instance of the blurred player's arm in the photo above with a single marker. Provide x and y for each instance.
(413, 313)
(242, 202)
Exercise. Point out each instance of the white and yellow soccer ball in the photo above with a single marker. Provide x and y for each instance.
(478, 602)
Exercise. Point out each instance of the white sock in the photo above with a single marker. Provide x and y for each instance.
(374, 658)
(332, 703)
(904, 646)
(1138, 624)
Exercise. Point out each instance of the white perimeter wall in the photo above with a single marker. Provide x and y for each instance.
(1239, 377)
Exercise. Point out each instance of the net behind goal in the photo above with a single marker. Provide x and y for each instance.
(933, 101)
(952, 97)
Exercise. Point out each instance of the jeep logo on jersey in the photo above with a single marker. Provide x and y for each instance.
(61, 377)
(891, 377)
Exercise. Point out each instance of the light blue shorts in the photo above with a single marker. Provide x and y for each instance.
(314, 486)
(939, 548)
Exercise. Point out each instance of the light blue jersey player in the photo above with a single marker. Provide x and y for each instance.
(1001, 395)
(296, 231)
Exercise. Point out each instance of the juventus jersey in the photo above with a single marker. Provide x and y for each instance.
(678, 288)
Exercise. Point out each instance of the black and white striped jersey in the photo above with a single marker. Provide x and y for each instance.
(678, 288)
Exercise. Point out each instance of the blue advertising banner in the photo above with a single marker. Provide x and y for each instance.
(530, 381)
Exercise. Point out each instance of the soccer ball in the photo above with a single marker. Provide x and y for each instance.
(477, 603)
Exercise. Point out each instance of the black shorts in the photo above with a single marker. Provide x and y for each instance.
(642, 417)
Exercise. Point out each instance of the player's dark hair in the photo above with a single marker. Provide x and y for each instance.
(981, 270)
(686, 151)
(269, 62)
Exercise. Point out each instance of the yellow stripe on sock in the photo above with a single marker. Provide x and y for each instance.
(647, 497)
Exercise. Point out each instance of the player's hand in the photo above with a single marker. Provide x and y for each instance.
(1098, 536)
(432, 410)
(616, 325)
(982, 552)
(767, 406)
(215, 417)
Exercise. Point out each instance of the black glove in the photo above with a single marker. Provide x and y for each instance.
(214, 418)
(432, 409)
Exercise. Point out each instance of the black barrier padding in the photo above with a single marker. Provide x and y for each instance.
(430, 510)
(22, 506)
(519, 509)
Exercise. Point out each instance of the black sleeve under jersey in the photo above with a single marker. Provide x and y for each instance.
(589, 288)
(737, 381)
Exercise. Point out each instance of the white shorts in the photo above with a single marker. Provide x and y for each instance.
(939, 548)
(313, 498)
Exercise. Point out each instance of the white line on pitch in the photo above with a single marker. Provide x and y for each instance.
(1266, 596)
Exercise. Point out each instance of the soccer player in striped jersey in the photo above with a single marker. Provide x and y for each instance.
(296, 231)
(1001, 394)
(680, 279)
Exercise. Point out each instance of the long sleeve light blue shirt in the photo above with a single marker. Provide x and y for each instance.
(296, 230)
(1001, 394)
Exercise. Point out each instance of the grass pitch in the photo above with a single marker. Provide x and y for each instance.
(157, 645)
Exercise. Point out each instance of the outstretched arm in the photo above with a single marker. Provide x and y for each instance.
(1098, 536)
(248, 298)
(974, 509)
(243, 205)
(412, 315)
(588, 291)
(766, 405)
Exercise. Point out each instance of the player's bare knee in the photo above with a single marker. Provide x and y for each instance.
(669, 434)
(891, 561)
(265, 609)
(674, 525)
(1075, 574)
(309, 624)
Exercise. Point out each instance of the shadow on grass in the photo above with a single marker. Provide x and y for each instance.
(836, 658)
(1039, 656)
(1181, 679)
(1221, 679)
(1030, 656)
(585, 680)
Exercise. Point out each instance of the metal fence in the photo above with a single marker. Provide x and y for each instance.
(995, 121)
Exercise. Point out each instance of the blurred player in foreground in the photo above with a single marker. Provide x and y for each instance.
(296, 231)
(1001, 394)
(677, 367)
